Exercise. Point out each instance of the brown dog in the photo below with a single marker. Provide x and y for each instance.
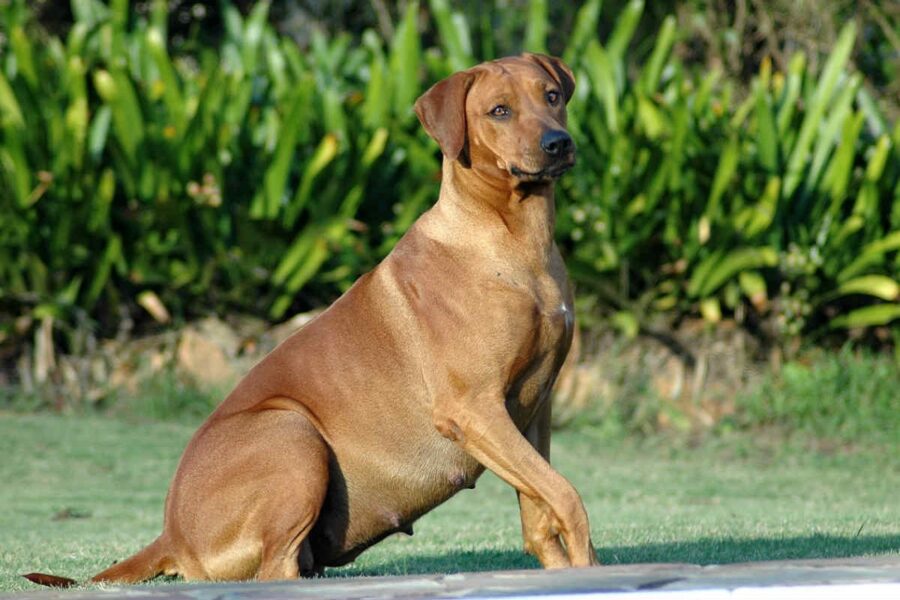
(429, 369)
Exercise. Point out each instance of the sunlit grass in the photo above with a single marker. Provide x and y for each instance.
(81, 492)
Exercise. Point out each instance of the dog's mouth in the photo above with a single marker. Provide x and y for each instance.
(548, 173)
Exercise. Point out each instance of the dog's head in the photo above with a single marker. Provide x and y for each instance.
(505, 118)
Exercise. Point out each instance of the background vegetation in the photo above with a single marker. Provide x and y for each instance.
(737, 160)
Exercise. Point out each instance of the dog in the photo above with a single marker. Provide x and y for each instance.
(434, 366)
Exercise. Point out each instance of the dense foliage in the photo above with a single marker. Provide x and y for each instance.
(255, 176)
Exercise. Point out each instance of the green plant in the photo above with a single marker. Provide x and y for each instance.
(784, 205)
(257, 177)
(845, 396)
(227, 179)
(163, 397)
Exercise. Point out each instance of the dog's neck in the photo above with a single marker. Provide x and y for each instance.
(527, 213)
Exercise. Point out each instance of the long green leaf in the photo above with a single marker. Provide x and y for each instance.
(725, 171)
(21, 47)
(375, 147)
(876, 121)
(377, 101)
(869, 316)
(10, 112)
(585, 28)
(722, 268)
(16, 169)
(788, 105)
(833, 68)
(536, 27)
(621, 35)
(321, 158)
(269, 199)
(830, 132)
(76, 117)
(294, 256)
(767, 136)
(333, 115)
(98, 222)
(98, 131)
(753, 285)
(840, 169)
(303, 261)
(878, 286)
(111, 255)
(871, 254)
(128, 126)
(756, 218)
(652, 71)
(878, 160)
(405, 59)
(867, 200)
(600, 70)
(626, 24)
(171, 90)
(253, 33)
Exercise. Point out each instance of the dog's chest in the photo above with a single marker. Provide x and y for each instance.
(554, 317)
(552, 324)
(556, 312)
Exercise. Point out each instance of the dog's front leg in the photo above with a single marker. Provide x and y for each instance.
(484, 429)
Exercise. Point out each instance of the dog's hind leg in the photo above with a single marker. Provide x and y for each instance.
(292, 508)
(287, 553)
(247, 494)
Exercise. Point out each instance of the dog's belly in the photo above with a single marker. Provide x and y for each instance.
(389, 477)
(377, 491)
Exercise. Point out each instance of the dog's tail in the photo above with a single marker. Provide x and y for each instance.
(50, 580)
(146, 564)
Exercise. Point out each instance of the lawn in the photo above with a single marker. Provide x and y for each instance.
(80, 492)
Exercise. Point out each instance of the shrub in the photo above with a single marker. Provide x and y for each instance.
(254, 177)
(842, 396)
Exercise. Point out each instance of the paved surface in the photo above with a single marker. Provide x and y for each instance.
(860, 578)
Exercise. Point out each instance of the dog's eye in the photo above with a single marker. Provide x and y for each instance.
(500, 111)
(552, 97)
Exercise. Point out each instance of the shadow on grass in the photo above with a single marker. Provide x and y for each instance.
(451, 562)
(704, 551)
(731, 550)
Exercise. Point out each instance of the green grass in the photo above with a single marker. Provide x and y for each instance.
(80, 492)
(844, 395)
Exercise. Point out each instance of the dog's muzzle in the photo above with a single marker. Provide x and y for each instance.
(559, 156)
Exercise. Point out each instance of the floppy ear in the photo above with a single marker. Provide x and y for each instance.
(442, 111)
(559, 70)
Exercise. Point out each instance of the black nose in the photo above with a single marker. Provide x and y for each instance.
(556, 142)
